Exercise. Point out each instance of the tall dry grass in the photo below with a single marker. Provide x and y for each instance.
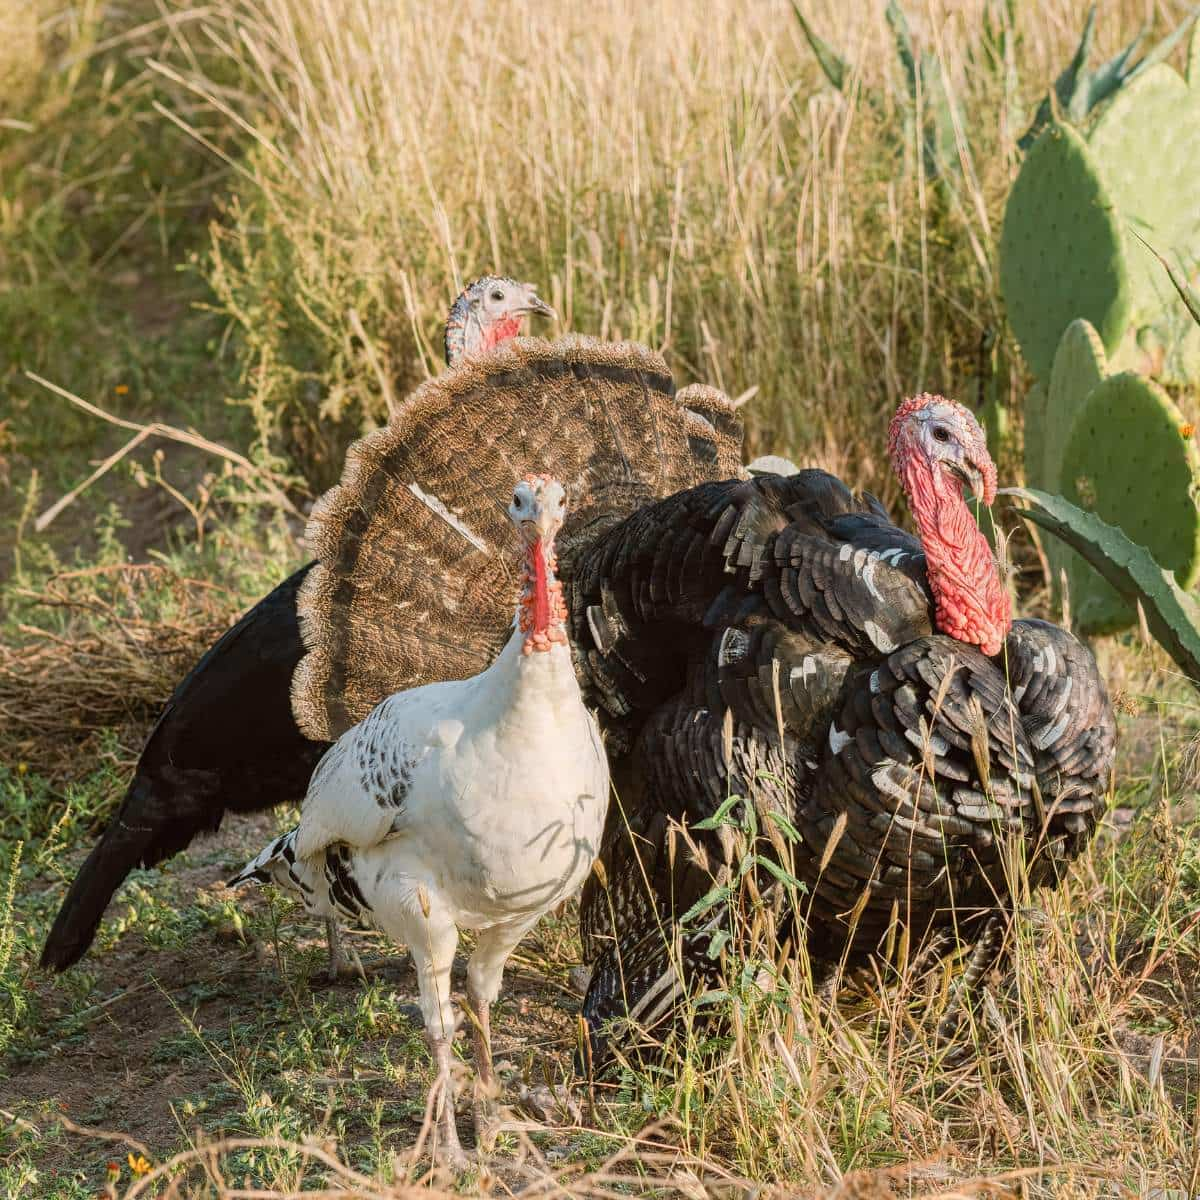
(682, 174)
(676, 173)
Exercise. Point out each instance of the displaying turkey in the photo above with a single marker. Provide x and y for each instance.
(227, 740)
(472, 804)
(780, 640)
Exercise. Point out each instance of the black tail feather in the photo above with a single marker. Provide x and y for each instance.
(79, 917)
(133, 839)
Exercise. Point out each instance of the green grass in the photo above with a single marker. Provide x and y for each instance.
(238, 219)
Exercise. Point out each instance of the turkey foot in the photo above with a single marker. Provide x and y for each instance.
(341, 967)
(486, 1088)
(550, 1105)
(447, 1147)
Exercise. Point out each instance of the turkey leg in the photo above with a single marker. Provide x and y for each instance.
(339, 965)
(486, 1089)
(442, 1092)
(432, 941)
(485, 974)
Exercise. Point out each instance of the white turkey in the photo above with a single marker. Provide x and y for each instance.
(227, 739)
(471, 804)
(878, 695)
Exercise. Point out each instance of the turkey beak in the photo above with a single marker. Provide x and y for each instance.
(546, 524)
(970, 475)
(537, 307)
(542, 528)
(974, 480)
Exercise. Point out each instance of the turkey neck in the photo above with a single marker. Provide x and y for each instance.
(540, 610)
(536, 662)
(971, 604)
(538, 576)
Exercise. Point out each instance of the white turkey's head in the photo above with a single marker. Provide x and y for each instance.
(538, 506)
(537, 510)
(489, 312)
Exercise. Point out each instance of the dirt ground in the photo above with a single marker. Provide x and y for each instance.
(171, 1044)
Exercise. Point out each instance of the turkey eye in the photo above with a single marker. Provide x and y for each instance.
(497, 295)
(942, 435)
(516, 500)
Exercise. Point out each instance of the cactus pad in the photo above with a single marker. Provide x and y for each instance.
(1061, 250)
(1172, 615)
(1146, 144)
(1035, 436)
(1079, 365)
(1132, 461)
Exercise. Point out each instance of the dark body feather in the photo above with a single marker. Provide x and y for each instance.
(774, 640)
(225, 742)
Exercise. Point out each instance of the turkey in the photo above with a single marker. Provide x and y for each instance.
(780, 640)
(472, 804)
(227, 739)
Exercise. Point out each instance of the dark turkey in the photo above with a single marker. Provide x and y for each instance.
(778, 640)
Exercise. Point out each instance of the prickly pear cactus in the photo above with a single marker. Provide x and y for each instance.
(1035, 408)
(1146, 143)
(1062, 253)
(1172, 615)
(1079, 365)
(1132, 461)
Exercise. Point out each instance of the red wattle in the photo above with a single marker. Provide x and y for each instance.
(541, 590)
(501, 331)
(972, 604)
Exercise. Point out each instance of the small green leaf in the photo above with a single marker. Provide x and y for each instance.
(903, 38)
(775, 869)
(831, 63)
(719, 940)
(718, 818)
(790, 831)
(711, 899)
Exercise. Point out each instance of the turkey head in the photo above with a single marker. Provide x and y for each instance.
(937, 447)
(490, 311)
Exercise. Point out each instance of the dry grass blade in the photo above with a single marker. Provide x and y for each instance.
(641, 1162)
(142, 432)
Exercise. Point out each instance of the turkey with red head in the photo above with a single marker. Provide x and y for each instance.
(781, 641)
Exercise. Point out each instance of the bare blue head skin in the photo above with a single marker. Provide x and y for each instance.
(490, 311)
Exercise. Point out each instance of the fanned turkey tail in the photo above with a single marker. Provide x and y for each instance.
(413, 579)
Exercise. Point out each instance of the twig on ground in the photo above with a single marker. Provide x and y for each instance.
(144, 431)
(104, 1135)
